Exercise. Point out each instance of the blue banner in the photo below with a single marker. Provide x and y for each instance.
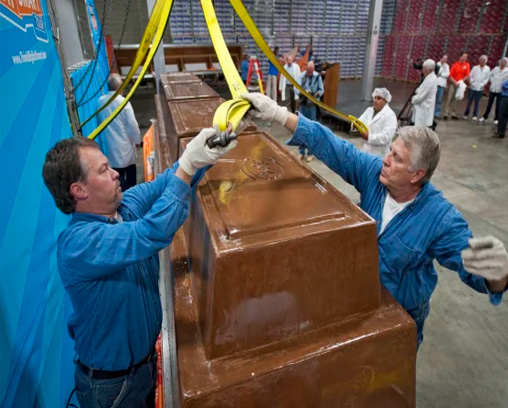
(36, 353)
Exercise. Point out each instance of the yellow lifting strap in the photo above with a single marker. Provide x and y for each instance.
(157, 28)
(258, 38)
(144, 46)
(231, 111)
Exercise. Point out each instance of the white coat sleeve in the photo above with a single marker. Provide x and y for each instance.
(421, 93)
(363, 118)
(389, 127)
(131, 124)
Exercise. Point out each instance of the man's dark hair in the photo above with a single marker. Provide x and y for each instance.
(62, 167)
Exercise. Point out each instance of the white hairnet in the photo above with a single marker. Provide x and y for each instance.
(383, 93)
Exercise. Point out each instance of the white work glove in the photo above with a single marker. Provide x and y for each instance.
(197, 154)
(486, 257)
(266, 109)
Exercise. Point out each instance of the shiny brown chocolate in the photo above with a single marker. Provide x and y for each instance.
(161, 140)
(276, 251)
(176, 91)
(365, 361)
(178, 77)
(186, 117)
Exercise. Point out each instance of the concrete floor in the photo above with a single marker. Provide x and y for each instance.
(463, 361)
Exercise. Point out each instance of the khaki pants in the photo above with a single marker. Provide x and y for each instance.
(271, 87)
(450, 100)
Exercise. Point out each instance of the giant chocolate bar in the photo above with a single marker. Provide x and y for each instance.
(277, 293)
(367, 361)
(275, 250)
(178, 77)
(176, 89)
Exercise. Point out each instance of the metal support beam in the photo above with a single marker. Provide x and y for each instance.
(369, 65)
(70, 101)
(159, 64)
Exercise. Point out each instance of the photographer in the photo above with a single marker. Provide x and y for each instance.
(424, 100)
(312, 83)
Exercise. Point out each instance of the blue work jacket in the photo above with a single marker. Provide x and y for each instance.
(429, 228)
(111, 269)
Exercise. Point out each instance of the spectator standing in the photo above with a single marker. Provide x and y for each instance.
(443, 72)
(459, 72)
(285, 86)
(425, 97)
(121, 138)
(271, 86)
(497, 76)
(381, 123)
(478, 79)
(312, 83)
(503, 112)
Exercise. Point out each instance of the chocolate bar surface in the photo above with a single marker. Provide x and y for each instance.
(275, 250)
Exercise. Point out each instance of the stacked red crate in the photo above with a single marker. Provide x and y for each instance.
(496, 49)
(470, 14)
(402, 57)
(389, 50)
(492, 19)
(478, 45)
(399, 20)
(430, 17)
(417, 52)
(413, 17)
(449, 16)
(456, 46)
(436, 47)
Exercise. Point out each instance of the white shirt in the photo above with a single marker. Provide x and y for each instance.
(497, 77)
(118, 140)
(294, 71)
(479, 77)
(443, 74)
(390, 210)
(424, 101)
(381, 127)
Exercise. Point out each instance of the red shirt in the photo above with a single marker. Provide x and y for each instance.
(460, 70)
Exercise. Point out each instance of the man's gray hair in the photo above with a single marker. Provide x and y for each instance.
(114, 82)
(429, 64)
(424, 149)
(484, 57)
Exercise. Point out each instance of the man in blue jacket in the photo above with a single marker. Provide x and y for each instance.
(415, 223)
(108, 262)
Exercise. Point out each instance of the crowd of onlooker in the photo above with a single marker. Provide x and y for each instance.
(460, 77)
(436, 97)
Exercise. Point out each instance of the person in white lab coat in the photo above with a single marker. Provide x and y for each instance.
(497, 76)
(424, 100)
(293, 69)
(478, 78)
(120, 140)
(381, 123)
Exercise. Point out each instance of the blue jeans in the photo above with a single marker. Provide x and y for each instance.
(476, 96)
(439, 97)
(419, 314)
(503, 115)
(310, 112)
(128, 391)
(492, 96)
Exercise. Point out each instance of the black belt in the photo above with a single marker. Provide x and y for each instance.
(106, 375)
